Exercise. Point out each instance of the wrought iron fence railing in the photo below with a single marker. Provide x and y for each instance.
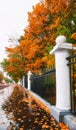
(45, 86)
(72, 65)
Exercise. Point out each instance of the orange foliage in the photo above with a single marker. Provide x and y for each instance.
(73, 36)
(57, 6)
(15, 63)
(39, 34)
(43, 23)
(12, 51)
(36, 39)
(38, 18)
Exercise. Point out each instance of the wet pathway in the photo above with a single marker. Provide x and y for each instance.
(4, 121)
(28, 113)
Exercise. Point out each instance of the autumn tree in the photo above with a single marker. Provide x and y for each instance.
(14, 64)
(48, 19)
(36, 39)
(34, 53)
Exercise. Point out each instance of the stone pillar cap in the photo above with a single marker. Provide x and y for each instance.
(60, 39)
(29, 73)
(61, 44)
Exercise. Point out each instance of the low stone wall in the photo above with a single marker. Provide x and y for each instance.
(60, 116)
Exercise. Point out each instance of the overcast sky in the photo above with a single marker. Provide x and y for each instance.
(13, 20)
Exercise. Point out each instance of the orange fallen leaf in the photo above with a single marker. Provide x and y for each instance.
(21, 128)
(25, 100)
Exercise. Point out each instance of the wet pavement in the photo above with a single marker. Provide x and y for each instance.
(4, 122)
(2, 86)
(24, 112)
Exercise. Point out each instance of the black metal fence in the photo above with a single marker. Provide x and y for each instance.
(72, 65)
(45, 86)
(26, 81)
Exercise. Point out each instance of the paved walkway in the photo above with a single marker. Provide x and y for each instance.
(4, 122)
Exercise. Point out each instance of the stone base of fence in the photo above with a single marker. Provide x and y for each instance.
(64, 116)
(71, 121)
(61, 116)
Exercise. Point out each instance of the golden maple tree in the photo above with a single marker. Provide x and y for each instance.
(14, 64)
(48, 19)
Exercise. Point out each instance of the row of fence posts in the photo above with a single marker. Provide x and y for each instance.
(61, 52)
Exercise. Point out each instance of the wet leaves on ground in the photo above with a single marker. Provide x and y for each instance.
(28, 113)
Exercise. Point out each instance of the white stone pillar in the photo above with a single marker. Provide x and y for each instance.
(61, 51)
(23, 81)
(62, 81)
(29, 80)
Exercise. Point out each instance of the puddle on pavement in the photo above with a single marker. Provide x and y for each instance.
(25, 113)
